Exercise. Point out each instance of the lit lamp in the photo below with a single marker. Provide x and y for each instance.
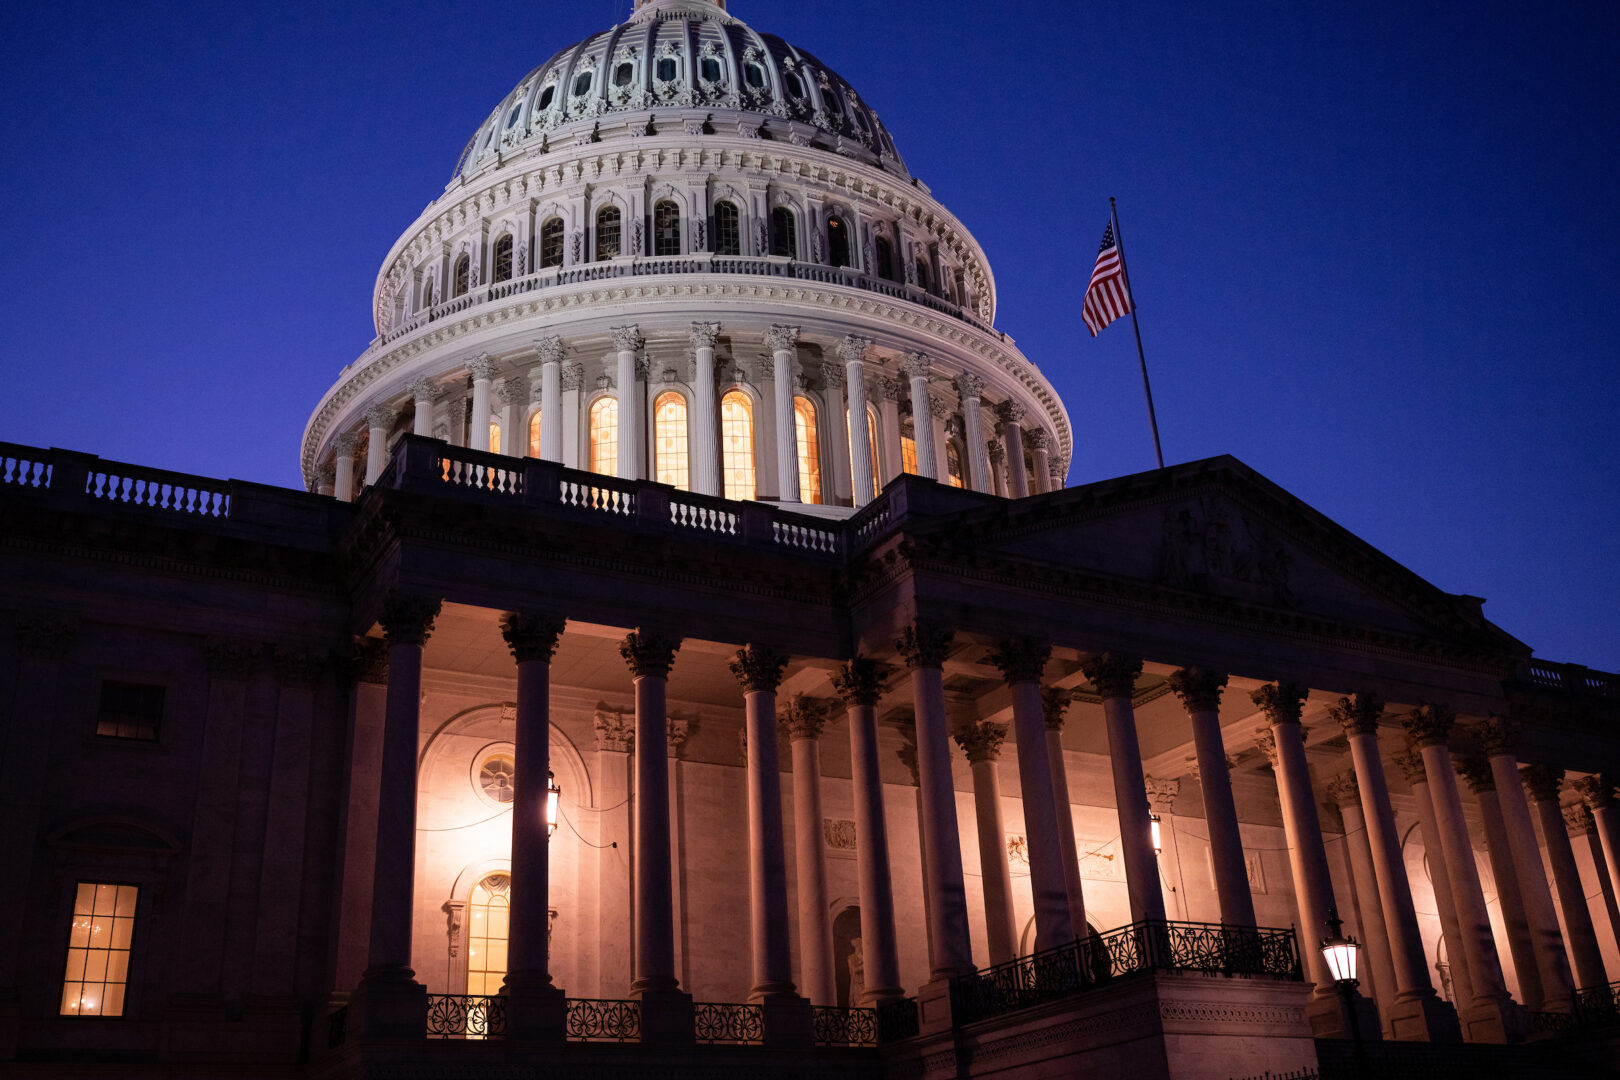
(1342, 955)
(1158, 837)
(553, 793)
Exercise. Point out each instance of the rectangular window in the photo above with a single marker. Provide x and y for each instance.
(98, 950)
(130, 711)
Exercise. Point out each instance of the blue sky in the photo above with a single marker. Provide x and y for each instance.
(1373, 244)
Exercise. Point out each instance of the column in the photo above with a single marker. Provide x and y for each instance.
(1056, 477)
(759, 671)
(1012, 438)
(860, 683)
(924, 649)
(551, 403)
(1114, 676)
(783, 343)
(917, 367)
(1597, 791)
(1054, 709)
(325, 477)
(379, 418)
(535, 1007)
(615, 837)
(394, 1003)
(1488, 1019)
(938, 410)
(802, 721)
(886, 395)
(1022, 661)
(422, 392)
(514, 395)
(996, 454)
(1462, 981)
(838, 490)
(1578, 817)
(1039, 442)
(1344, 793)
(627, 340)
(573, 415)
(853, 352)
(1200, 693)
(1542, 782)
(482, 369)
(1475, 771)
(970, 387)
(367, 668)
(1416, 1012)
(676, 730)
(982, 743)
(705, 432)
(343, 448)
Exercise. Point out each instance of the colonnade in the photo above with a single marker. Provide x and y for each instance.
(1412, 1009)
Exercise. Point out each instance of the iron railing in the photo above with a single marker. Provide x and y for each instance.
(1203, 948)
(897, 1020)
(836, 1026)
(466, 1016)
(599, 1020)
(723, 1022)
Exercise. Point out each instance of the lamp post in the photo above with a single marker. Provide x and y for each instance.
(1342, 955)
(553, 793)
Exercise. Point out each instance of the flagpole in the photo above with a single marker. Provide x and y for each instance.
(1124, 268)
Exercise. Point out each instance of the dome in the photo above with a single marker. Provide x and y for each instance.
(692, 59)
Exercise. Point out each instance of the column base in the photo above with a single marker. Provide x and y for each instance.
(1330, 1017)
(936, 1007)
(1424, 1018)
(1493, 1020)
(536, 1012)
(666, 1018)
(389, 1005)
(789, 1021)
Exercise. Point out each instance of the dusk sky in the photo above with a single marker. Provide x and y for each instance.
(1374, 245)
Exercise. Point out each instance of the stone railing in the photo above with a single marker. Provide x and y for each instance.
(601, 1020)
(1199, 948)
(696, 263)
(1573, 679)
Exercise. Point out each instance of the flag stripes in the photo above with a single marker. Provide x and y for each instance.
(1107, 298)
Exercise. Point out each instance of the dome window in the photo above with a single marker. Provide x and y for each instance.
(516, 109)
(666, 228)
(669, 440)
(953, 465)
(551, 243)
(710, 71)
(582, 84)
(837, 242)
(463, 267)
(804, 428)
(737, 445)
(668, 69)
(623, 74)
(829, 99)
(727, 229)
(885, 258)
(922, 274)
(545, 97)
(784, 238)
(755, 75)
(795, 85)
(607, 232)
(604, 435)
(503, 258)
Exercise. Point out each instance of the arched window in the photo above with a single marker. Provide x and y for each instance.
(427, 293)
(885, 258)
(922, 274)
(551, 243)
(503, 259)
(494, 437)
(737, 444)
(463, 267)
(534, 434)
(666, 228)
(837, 242)
(784, 234)
(669, 440)
(488, 920)
(727, 229)
(908, 445)
(604, 428)
(804, 425)
(607, 232)
(545, 97)
(953, 464)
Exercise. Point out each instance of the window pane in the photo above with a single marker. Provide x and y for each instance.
(908, 447)
(534, 435)
(98, 949)
(607, 233)
(604, 456)
(727, 229)
(667, 69)
(503, 258)
(953, 465)
(85, 897)
(784, 238)
(494, 437)
(804, 423)
(551, 243)
(546, 95)
(582, 84)
(130, 711)
(737, 444)
(669, 435)
(486, 935)
(666, 228)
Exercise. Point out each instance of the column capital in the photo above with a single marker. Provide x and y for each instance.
(1198, 688)
(380, 417)
(981, 741)
(627, 338)
(676, 729)
(1410, 762)
(573, 376)
(1010, 412)
(938, 407)
(1161, 792)
(860, 681)
(231, 659)
(916, 365)
(298, 667)
(1498, 735)
(704, 335)
(1579, 819)
(367, 660)
(44, 635)
(1113, 674)
(422, 390)
(649, 654)
(1343, 790)
(407, 619)
(1475, 769)
(833, 377)
(1037, 439)
(615, 730)
(782, 338)
(1429, 725)
(1055, 706)
(802, 718)
(549, 349)
(758, 668)
(1266, 740)
(1358, 715)
(514, 390)
(1596, 790)
(924, 645)
(996, 451)
(530, 636)
(1280, 701)
(1022, 659)
(853, 349)
(481, 366)
(969, 386)
(345, 444)
(1543, 782)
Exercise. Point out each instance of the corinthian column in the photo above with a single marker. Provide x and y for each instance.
(514, 395)
(982, 744)
(1597, 791)
(1344, 793)
(422, 393)
(922, 426)
(783, 343)
(1054, 708)
(551, 404)
(802, 720)
(1022, 660)
(482, 369)
(1543, 782)
(649, 658)
(1462, 983)
(853, 352)
(1114, 676)
(1580, 822)
(860, 684)
(996, 454)
(1012, 437)
(971, 387)
(1039, 443)
(705, 425)
(833, 378)
(343, 448)
(627, 341)
(1200, 694)
(379, 418)
(1476, 773)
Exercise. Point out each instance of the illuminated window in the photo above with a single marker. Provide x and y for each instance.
(604, 428)
(98, 950)
(488, 920)
(551, 243)
(495, 777)
(494, 437)
(130, 711)
(463, 265)
(837, 243)
(666, 228)
(534, 434)
(908, 446)
(669, 437)
(804, 423)
(607, 232)
(503, 258)
(784, 233)
(727, 229)
(953, 464)
(737, 444)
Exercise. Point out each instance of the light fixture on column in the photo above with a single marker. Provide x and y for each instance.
(1342, 955)
(553, 793)
(1158, 836)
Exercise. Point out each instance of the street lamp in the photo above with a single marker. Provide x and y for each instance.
(553, 793)
(1342, 955)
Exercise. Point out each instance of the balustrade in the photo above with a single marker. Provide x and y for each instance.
(598, 1020)
(719, 1022)
(466, 1016)
(835, 1026)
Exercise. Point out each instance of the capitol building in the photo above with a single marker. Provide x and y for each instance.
(688, 659)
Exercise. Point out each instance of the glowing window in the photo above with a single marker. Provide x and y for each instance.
(130, 711)
(737, 444)
(784, 234)
(727, 229)
(604, 426)
(953, 465)
(551, 243)
(908, 446)
(669, 437)
(534, 434)
(463, 266)
(488, 921)
(837, 243)
(804, 424)
(607, 232)
(503, 258)
(98, 950)
(666, 228)
(495, 777)
(494, 437)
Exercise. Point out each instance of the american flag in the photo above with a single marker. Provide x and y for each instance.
(1107, 298)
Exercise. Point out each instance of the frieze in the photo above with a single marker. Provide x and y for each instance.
(1203, 548)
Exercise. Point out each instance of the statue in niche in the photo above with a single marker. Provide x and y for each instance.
(857, 973)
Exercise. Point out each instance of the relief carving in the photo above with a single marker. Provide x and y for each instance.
(1207, 545)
